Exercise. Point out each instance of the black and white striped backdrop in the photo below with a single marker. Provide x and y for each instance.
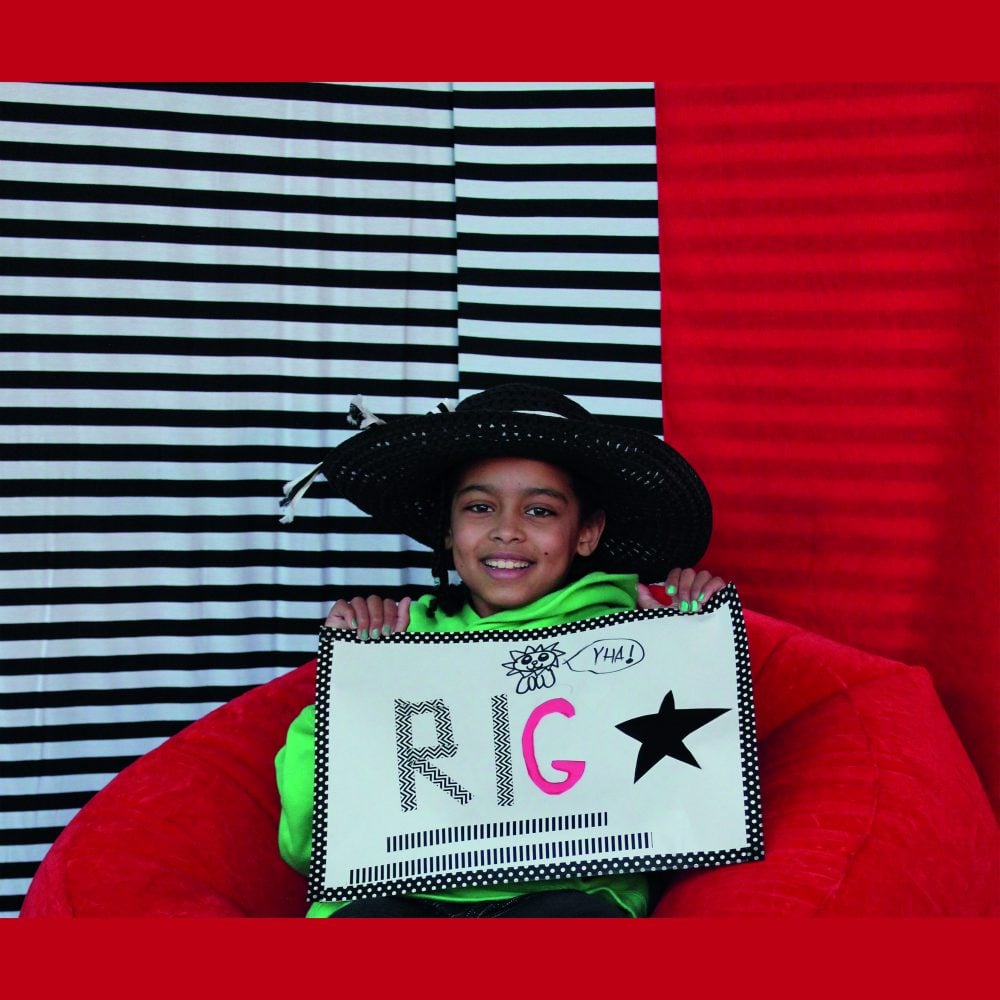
(195, 281)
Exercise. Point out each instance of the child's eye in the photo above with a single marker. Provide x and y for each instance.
(541, 512)
(480, 507)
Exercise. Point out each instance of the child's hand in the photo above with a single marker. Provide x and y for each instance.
(372, 618)
(688, 589)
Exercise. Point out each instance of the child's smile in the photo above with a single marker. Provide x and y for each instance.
(516, 528)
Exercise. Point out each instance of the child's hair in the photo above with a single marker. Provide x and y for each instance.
(450, 598)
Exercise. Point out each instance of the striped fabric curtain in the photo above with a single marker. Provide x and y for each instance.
(195, 281)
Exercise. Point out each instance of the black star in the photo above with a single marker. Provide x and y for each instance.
(662, 735)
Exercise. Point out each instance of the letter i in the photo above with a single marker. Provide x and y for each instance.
(502, 757)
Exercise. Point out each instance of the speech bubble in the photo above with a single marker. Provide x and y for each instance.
(607, 656)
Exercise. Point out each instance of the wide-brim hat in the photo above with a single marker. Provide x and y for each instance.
(658, 510)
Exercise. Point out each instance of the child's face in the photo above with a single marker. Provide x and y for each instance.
(515, 530)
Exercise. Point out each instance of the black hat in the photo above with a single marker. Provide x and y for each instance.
(659, 514)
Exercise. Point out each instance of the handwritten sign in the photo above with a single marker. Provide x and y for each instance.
(619, 744)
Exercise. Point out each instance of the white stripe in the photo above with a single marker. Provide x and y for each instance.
(48, 784)
(529, 191)
(542, 225)
(75, 715)
(585, 263)
(520, 86)
(465, 153)
(15, 853)
(284, 147)
(222, 329)
(581, 297)
(555, 333)
(193, 400)
(153, 542)
(162, 364)
(336, 580)
(70, 749)
(225, 293)
(235, 107)
(33, 820)
(102, 174)
(535, 119)
(165, 644)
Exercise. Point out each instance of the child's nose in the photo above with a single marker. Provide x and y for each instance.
(506, 528)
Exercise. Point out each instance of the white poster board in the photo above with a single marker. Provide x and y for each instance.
(617, 744)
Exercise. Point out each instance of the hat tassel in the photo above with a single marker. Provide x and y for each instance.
(295, 490)
(358, 415)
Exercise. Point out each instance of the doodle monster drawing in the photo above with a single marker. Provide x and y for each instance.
(534, 666)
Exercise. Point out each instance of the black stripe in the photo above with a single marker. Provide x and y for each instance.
(74, 765)
(574, 208)
(579, 350)
(225, 347)
(637, 135)
(158, 417)
(232, 201)
(92, 731)
(16, 869)
(228, 163)
(500, 277)
(155, 453)
(208, 559)
(137, 270)
(277, 312)
(325, 93)
(624, 97)
(222, 524)
(29, 834)
(277, 659)
(503, 243)
(142, 232)
(568, 315)
(117, 696)
(276, 625)
(47, 800)
(220, 124)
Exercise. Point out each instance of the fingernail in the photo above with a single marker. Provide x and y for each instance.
(386, 630)
(671, 590)
(701, 597)
(354, 623)
(694, 605)
(364, 635)
(684, 605)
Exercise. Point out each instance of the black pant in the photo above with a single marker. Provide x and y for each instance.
(547, 903)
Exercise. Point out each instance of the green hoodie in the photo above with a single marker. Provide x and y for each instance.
(589, 597)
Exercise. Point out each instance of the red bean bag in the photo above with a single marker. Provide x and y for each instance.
(871, 806)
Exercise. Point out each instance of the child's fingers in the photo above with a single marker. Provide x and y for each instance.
(685, 583)
(646, 600)
(341, 616)
(705, 585)
(671, 582)
(402, 615)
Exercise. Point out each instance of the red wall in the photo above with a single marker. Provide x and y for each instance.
(830, 357)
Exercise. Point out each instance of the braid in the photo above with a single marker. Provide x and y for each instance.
(448, 597)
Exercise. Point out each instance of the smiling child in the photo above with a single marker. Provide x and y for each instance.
(548, 516)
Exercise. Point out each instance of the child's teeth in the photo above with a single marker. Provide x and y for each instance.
(506, 564)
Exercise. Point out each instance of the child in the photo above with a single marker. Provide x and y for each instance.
(548, 516)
